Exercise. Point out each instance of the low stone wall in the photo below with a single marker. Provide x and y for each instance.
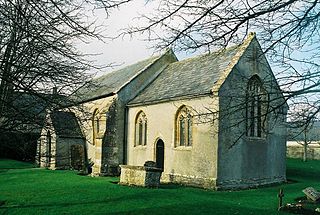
(296, 151)
(140, 176)
(248, 183)
(193, 181)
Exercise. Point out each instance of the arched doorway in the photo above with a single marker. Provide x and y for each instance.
(160, 154)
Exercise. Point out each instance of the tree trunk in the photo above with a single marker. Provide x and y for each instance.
(305, 146)
(305, 151)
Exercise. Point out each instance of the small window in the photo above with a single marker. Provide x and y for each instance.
(184, 127)
(141, 129)
(255, 108)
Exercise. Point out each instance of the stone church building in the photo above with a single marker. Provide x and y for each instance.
(213, 121)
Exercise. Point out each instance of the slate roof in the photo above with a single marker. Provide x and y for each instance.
(66, 124)
(112, 82)
(25, 113)
(190, 77)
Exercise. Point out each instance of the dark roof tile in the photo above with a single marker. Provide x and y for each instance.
(194, 76)
(112, 82)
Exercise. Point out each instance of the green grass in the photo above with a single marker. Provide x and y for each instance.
(12, 164)
(28, 190)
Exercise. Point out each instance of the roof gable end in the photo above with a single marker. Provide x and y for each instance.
(235, 59)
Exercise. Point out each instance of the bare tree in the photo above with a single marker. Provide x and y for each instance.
(288, 31)
(38, 53)
(304, 130)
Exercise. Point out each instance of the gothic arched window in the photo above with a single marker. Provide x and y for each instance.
(255, 108)
(183, 127)
(48, 149)
(95, 125)
(141, 129)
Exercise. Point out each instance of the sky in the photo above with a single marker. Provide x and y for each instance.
(121, 51)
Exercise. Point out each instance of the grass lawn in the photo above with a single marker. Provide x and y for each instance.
(26, 190)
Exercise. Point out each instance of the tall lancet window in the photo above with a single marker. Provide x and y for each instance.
(140, 129)
(48, 150)
(95, 125)
(256, 101)
(183, 127)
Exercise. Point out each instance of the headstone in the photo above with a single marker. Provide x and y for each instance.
(312, 193)
(153, 174)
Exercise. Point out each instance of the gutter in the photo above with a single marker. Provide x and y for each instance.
(125, 144)
(170, 99)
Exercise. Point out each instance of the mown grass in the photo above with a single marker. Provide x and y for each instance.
(25, 190)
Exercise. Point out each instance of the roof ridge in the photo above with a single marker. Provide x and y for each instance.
(219, 51)
(143, 69)
(114, 71)
(111, 83)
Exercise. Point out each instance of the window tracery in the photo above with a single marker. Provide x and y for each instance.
(141, 129)
(255, 108)
(184, 127)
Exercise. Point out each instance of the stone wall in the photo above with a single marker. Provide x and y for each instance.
(108, 149)
(190, 165)
(246, 161)
(189, 180)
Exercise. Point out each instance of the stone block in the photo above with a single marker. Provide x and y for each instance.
(143, 176)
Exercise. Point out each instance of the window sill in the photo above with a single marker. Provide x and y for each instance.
(260, 139)
(183, 148)
(140, 147)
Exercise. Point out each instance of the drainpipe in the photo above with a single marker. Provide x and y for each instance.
(125, 135)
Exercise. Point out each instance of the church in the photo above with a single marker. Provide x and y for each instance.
(215, 121)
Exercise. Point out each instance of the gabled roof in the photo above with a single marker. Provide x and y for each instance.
(192, 77)
(25, 112)
(66, 124)
(111, 83)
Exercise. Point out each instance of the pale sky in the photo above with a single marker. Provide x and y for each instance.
(124, 51)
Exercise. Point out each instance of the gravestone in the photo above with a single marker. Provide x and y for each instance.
(153, 174)
(312, 193)
(147, 175)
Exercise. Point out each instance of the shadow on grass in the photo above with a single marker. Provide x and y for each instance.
(304, 171)
(115, 206)
(196, 207)
(66, 204)
(6, 169)
(171, 186)
(6, 164)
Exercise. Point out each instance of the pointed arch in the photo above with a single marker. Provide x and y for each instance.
(141, 125)
(95, 125)
(159, 152)
(183, 126)
(256, 101)
(48, 148)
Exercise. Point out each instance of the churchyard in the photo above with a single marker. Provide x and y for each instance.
(27, 190)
